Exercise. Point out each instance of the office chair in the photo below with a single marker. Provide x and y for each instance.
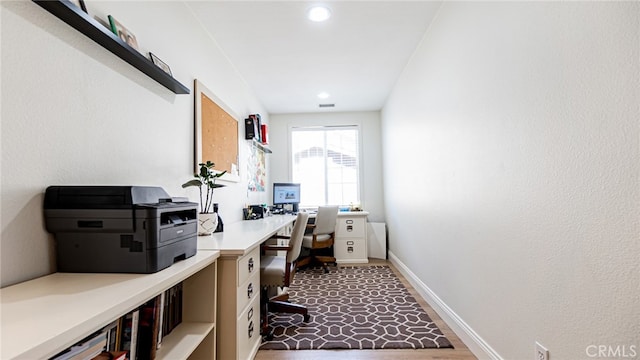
(276, 273)
(322, 237)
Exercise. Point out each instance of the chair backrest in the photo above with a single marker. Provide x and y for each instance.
(297, 233)
(326, 220)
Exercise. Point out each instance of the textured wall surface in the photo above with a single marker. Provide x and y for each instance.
(511, 156)
(73, 113)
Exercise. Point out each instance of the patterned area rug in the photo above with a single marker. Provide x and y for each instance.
(360, 307)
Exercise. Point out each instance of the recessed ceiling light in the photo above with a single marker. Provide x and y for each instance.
(323, 95)
(319, 13)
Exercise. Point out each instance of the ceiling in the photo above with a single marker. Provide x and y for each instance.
(355, 56)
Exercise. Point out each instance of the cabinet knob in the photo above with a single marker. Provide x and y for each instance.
(249, 290)
(250, 264)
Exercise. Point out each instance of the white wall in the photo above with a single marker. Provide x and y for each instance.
(73, 113)
(371, 151)
(511, 156)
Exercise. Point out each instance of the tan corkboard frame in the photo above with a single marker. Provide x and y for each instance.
(216, 133)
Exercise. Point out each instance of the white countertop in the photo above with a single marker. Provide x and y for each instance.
(353, 213)
(241, 237)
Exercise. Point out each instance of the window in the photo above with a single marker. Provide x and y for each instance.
(325, 162)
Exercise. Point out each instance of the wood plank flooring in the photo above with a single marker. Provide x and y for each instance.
(459, 352)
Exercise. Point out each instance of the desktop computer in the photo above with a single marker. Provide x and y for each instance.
(286, 198)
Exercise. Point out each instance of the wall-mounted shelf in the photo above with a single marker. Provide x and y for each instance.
(81, 21)
(261, 146)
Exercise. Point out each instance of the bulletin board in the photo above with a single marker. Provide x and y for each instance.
(216, 133)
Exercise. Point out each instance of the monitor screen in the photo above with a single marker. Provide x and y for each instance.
(286, 193)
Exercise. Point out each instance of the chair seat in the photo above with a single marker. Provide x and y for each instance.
(307, 240)
(272, 270)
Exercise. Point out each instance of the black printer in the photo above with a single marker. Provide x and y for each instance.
(119, 229)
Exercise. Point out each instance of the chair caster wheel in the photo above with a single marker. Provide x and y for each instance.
(307, 317)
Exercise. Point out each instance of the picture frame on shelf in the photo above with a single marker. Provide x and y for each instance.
(123, 33)
(80, 4)
(161, 64)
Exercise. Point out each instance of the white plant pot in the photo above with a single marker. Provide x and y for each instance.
(207, 223)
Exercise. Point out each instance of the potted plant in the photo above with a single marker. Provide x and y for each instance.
(206, 177)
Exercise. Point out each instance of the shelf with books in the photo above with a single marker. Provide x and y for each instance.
(185, 339)
(45, 316)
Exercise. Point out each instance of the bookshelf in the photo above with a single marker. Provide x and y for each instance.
(44, 316)
(260, 146)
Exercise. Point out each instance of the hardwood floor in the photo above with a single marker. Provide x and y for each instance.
(459, 352)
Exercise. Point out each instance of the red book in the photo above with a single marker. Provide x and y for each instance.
(263, 133)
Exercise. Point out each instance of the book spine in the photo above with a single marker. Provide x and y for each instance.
(160, 324)
(134, 334)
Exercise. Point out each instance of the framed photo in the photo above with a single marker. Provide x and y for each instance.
(159, 63)
(80, 4)
(123, 33)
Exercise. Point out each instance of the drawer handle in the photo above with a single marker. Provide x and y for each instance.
(350, 249)
(250, 314)
(250, 329)
(250, 290)
(250, 265)
(349, 221)
(350, 243)
(349, 227)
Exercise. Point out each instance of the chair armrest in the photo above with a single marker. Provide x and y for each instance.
(280, 237)
(276, 248)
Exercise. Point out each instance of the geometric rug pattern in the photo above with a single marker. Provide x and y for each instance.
(353, 307)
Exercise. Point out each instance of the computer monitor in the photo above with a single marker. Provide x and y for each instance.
(286, 193)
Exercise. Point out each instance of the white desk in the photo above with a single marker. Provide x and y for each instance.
(239, 238)
(238, 335)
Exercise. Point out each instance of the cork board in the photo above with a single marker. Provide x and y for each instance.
(216, 133)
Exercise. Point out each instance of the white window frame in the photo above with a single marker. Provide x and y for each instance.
(356, 126)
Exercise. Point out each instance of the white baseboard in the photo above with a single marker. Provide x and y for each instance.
(474, 342)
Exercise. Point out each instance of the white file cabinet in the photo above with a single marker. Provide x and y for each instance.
(240, 329)
(351, 237)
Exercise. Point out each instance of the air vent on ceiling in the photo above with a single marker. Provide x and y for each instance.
(326, 105)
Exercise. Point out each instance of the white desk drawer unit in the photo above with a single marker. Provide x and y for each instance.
(248, 299)
(240, 327)
(350, 250)
(248, 332)
(248, 265)
(351, 238)
(351, 226)
(247, 291)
